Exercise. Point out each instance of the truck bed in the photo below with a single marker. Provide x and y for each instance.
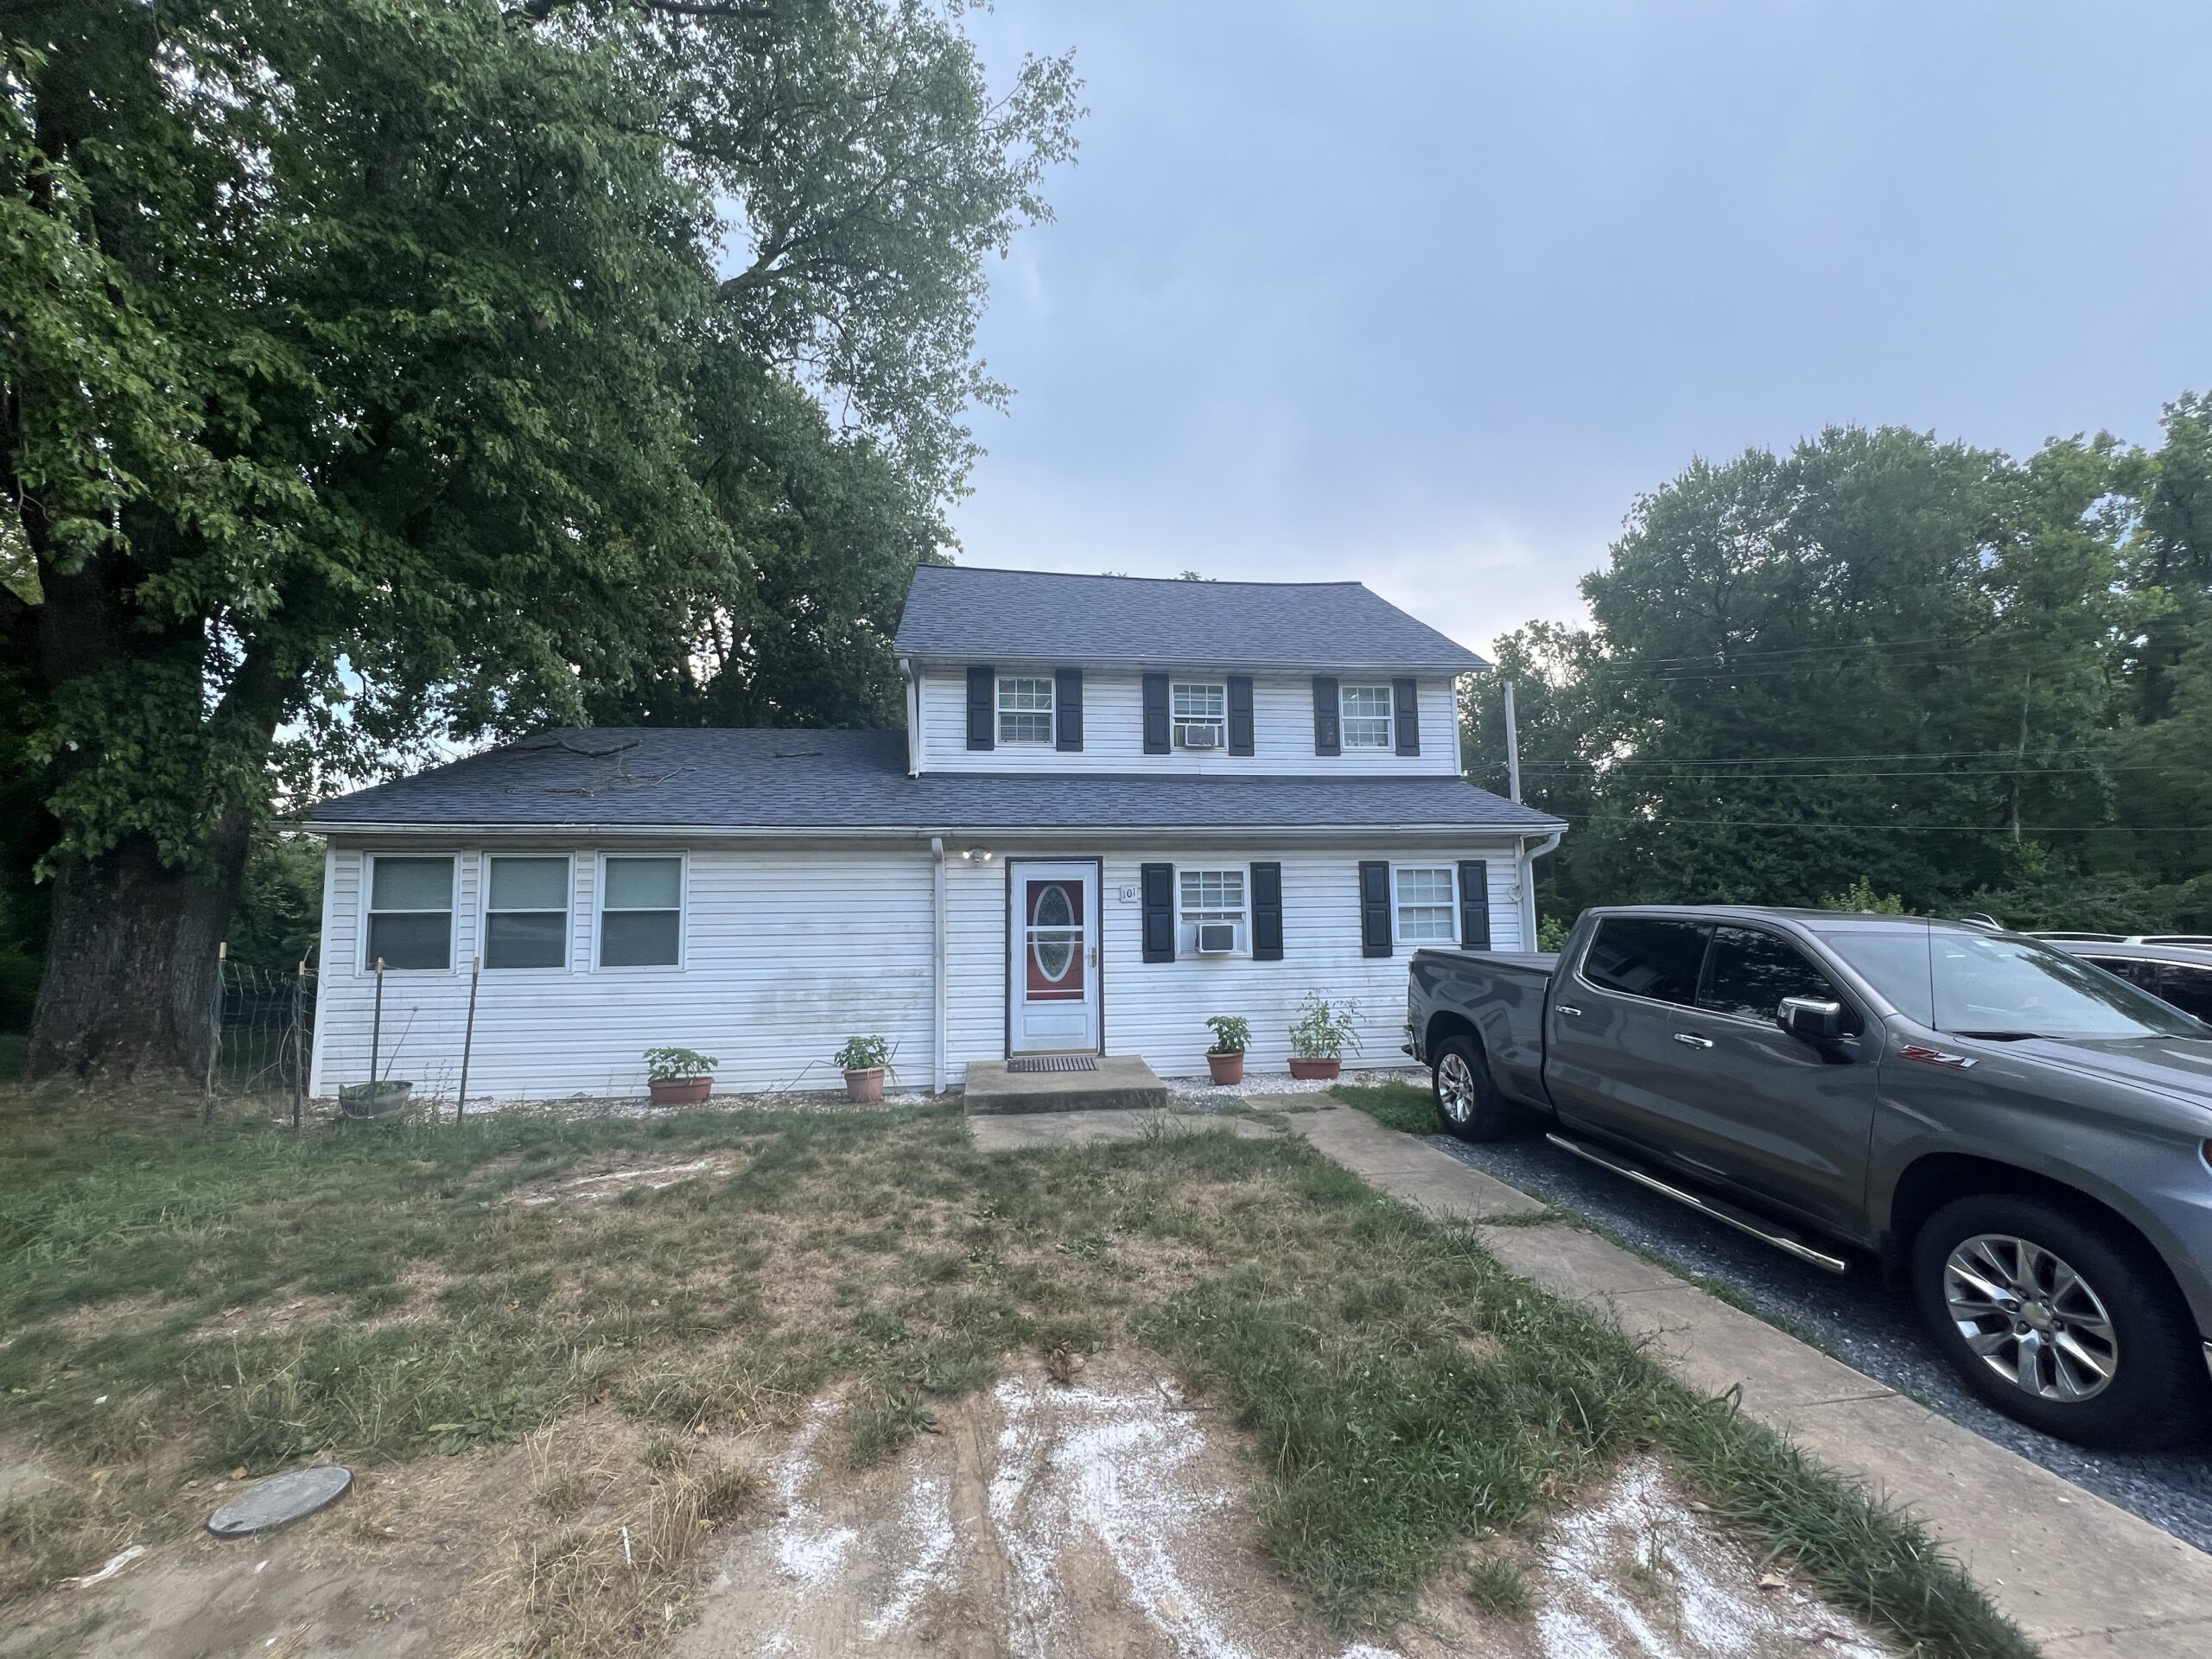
(1502, 994)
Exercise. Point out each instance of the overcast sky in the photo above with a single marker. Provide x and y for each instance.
(1424, 293)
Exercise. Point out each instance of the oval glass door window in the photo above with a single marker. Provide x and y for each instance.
(1055, 943)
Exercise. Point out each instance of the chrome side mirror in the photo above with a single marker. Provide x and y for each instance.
(1811, 1018)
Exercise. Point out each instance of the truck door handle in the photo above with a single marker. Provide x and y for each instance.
(1693, 1039)
(1569, 1007)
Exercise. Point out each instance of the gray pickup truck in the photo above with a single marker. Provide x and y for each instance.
(2022, 1137)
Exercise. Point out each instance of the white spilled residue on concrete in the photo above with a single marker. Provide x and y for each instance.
(1638, 1575)
(1080, 1469)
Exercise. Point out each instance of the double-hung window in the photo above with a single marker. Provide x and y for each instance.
(410, 914)
(1365, 715)
(526, 911)
(641, 912)
(1200, 710)
(1025, 709)
(1427, 904)
(1212, 898)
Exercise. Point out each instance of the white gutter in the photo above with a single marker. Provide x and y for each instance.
(938, 1071)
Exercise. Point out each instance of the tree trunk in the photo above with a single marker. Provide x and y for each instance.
(131, 980)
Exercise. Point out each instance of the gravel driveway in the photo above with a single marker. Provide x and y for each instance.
(1854, 1316)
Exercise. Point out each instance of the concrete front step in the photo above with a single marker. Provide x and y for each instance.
(1122, 1084)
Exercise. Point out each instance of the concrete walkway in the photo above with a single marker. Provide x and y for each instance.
(2080, 1575)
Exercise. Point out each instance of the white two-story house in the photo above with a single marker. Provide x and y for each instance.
(1120, 805)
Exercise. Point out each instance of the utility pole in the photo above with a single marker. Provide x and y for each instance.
(2027, 679)
(1512, 748)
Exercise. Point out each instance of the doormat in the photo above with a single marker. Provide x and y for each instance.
(1054, 1063)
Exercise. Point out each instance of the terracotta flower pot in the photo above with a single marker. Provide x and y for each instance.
(1227, 1068)
(679, 1091)
(1314, 1071)
(864, 1085)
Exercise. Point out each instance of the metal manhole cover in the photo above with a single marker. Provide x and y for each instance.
(1054, 1063)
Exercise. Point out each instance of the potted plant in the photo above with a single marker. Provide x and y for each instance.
(862, 1059)
(1323, 1031)
(679, 1076)
(1225, 1060)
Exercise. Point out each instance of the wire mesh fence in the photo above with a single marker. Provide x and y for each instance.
(264, 1034)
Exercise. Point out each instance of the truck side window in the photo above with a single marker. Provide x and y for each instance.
(1647, 956)
(2131, 969)
(2187, 988)
(1747, 973)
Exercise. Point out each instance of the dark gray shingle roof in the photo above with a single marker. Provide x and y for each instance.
(723, 780)
(961, 614)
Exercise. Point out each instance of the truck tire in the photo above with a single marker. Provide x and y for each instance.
(1467, 1101)
(2066, 1322)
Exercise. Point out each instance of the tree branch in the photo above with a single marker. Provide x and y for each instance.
(536, 12)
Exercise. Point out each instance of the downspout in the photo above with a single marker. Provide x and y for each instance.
(1529, 857)
(939, 1077)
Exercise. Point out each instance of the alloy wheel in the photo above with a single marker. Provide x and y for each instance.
(1455, 1087)
(2033, 1319)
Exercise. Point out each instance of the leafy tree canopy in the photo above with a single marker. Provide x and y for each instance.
(379, 371)
(1894, 666)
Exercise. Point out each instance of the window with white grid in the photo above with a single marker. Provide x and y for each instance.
(1025, 710)
(1427, 904)
(1366, 715)
(1211, 896)
(1199, 708)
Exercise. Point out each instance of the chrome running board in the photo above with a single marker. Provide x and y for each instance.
(1743, 1221)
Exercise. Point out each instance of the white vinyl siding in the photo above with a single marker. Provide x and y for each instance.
(526, 911)
(1365, 711)
(1112, 732)
(641, 912)
(1427, 904)
(410, 922)
(1025, 709)
(768, 981)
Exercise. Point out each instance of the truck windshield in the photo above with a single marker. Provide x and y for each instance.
(1996, 987)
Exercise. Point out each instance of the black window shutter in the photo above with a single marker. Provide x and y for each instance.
(983, 707)
(1240, 714)
(1067, 708)
(1325, 738)
(1155, 716)
(1474, 904)
(1405, 708)
(1158, 881)
(1374, 908)
(1267, 912)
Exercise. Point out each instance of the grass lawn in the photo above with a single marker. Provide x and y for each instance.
(179, 1301)
(1405, 1107)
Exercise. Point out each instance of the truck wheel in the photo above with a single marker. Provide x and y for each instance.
(1467, 1101)
(2066, 1323)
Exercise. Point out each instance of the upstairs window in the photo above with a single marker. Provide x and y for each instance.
(526, 913)
(1365, 712)
(1025, 710)
(410, 914)
(1428, 905)
(1212, 898)
(1200, 710)
(641, 913)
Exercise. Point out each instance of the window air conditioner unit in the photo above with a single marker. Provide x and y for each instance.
(1217, 938)
(1199, 737)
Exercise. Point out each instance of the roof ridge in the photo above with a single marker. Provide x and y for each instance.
(1115, 576)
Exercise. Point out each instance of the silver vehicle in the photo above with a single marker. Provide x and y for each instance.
(2179, 974)
(2021, 1136)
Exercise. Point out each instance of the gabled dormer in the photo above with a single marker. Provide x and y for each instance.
(1026, 670)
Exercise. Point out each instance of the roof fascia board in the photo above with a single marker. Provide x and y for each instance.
(1084, 833)
(923, 661)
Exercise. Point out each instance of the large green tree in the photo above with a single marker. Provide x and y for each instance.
(384, 370)
(1970, 679)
